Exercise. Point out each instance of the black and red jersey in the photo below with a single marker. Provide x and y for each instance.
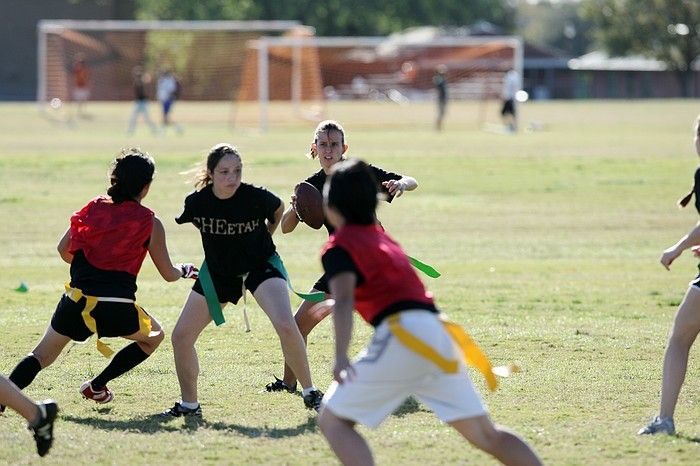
(386, 282)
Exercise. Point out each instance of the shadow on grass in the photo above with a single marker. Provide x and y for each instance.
(158, 424)
(688, 438)
(411, 405)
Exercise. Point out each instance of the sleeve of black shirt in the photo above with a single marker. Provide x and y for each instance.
(272, 203)
(187, 214)
(336, 260)
(382, 175)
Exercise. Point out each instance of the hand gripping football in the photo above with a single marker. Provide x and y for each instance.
(309, 205)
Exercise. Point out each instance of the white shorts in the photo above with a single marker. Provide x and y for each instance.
(81, 94)
(386, 373)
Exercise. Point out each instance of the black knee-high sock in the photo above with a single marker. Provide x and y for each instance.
(25, 372)
(125, 360)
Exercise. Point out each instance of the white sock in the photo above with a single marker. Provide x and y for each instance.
(306, 391)
(188, 405)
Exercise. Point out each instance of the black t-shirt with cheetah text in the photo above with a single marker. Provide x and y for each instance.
(234, 234)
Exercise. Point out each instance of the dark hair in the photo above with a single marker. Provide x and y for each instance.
(682, 202)
(352, 190)
(324, 127)
(216, 153)
(131, 171)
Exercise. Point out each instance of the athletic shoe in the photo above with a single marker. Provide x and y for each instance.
(2, 410)
(279, 385)
(659, 425)
(178, 410)
(313, 399)
(43, 431)
(99, 396)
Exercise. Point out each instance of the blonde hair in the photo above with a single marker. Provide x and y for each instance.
(324, 127)
(216, 153)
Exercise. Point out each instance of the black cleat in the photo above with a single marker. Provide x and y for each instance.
(43, 431)
(313, 400)
(279, 385)
(178, 411)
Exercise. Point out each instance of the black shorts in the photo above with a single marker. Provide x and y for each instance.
(230, 289)
(508, 107)
(111, 319)
(322, 284)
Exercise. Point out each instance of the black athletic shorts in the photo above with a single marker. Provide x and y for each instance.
(230, 289)
(111, 319)
(322, 284)
(508, 107)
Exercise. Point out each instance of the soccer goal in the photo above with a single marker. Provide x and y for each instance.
(207, 56)
(308, 73)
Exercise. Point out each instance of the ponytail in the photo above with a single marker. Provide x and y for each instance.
(131, 172)
(682, 202)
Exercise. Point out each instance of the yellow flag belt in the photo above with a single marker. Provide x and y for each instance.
(91, 301)
(471, 352)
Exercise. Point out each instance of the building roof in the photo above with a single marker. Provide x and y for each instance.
(600, 61)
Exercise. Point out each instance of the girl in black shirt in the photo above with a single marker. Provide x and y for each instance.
(329, 147)
(236, 221)
(686, 325)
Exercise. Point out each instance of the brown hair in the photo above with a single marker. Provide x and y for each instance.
(323, 127)
(216, 153)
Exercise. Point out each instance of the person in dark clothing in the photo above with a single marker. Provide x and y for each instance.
(141, 80)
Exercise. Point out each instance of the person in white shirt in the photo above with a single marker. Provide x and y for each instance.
(167, 91)
(511, 85)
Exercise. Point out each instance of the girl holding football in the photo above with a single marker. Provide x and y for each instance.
(329, 146)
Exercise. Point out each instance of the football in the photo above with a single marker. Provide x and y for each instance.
(309, 205)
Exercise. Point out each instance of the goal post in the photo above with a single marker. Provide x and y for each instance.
(208, 55)
(311, 69)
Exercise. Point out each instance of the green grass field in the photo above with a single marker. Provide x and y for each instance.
(548, 242)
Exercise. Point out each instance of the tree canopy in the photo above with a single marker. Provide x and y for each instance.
(338, 17)
(668, 30)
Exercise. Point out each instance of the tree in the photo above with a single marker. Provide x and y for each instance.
(668, 30)
(337, 17)
(554, 24)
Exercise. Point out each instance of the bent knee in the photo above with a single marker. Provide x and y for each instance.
(155, 339)
(480, 432)
(328, 422)
(287, 329)
(182, 337)
(682, 337)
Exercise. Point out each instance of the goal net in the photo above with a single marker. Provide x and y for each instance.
(206, 56)
(301, 76)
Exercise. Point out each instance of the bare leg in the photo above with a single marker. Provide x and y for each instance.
(308, 316)
(50, 346)
(348, 445)
(505, 446)
(683, 333)
(273, 298)
(193, 319)
(13, 397)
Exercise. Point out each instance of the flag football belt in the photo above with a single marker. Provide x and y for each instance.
(471, 353)
(76, 295)
(212, 299)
